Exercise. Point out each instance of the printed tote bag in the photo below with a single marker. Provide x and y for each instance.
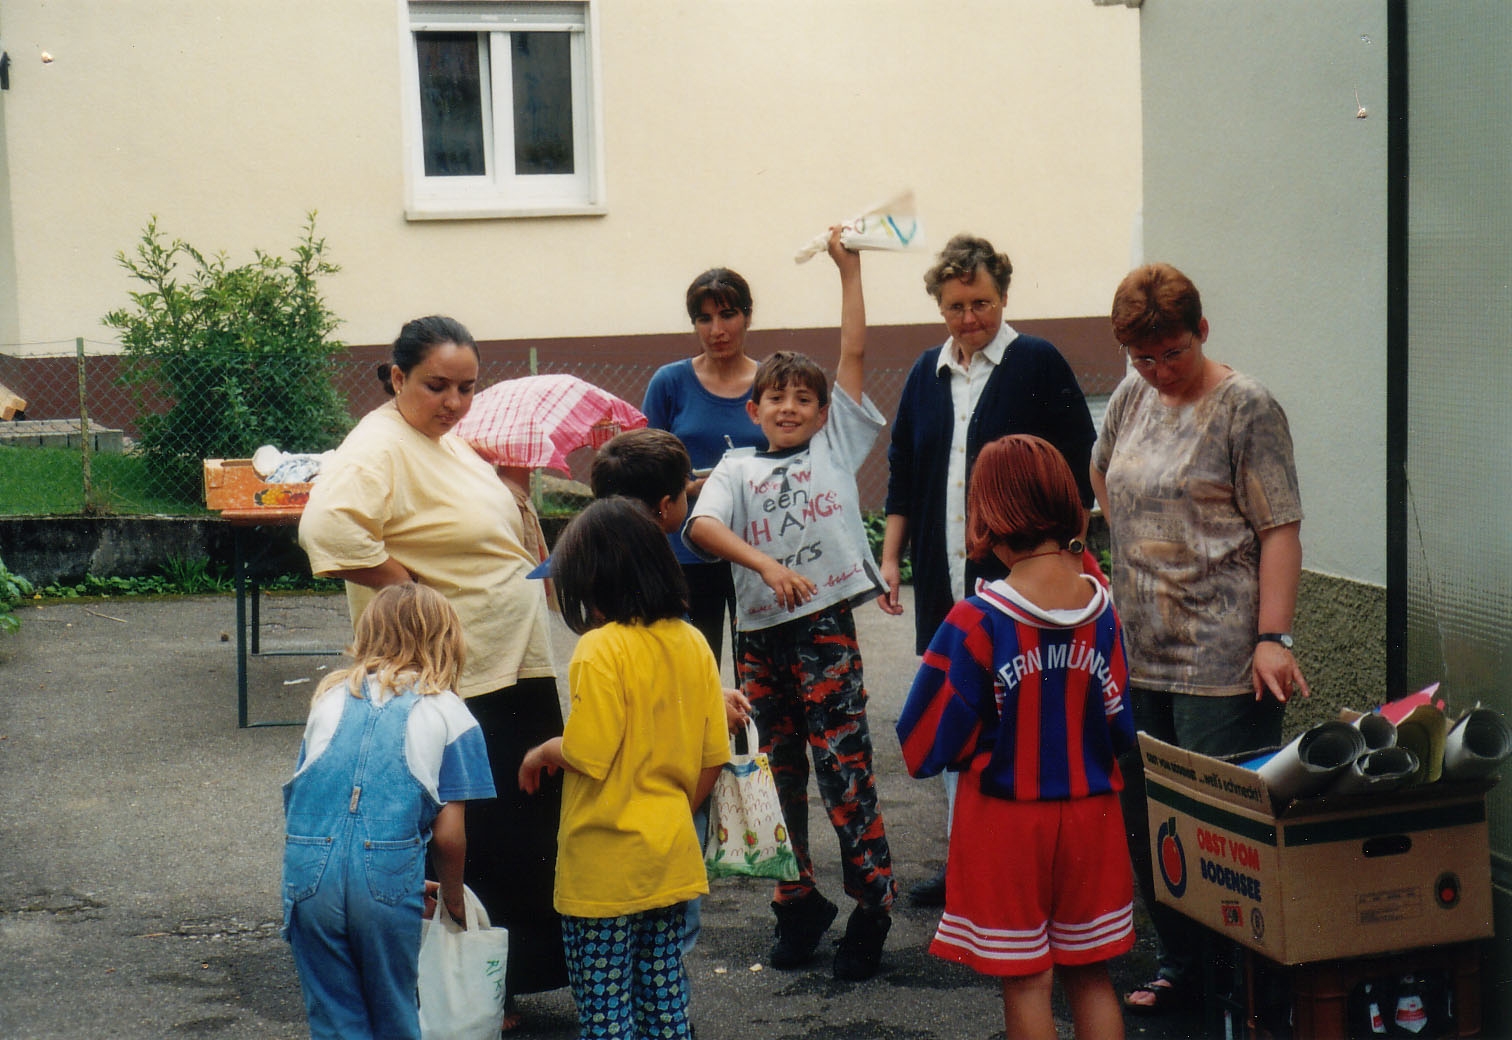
(747, 835)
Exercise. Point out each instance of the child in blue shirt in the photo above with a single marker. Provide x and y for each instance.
(390, 754)
(790, 518)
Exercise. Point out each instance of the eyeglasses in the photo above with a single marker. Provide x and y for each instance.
(957, 311)
(1145, 362)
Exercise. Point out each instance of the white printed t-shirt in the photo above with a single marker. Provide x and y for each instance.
(800, 507)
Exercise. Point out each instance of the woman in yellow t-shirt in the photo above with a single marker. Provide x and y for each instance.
(645, 739)
(408, 500)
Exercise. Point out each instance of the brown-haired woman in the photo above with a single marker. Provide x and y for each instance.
(1195, 474)
(703, 401)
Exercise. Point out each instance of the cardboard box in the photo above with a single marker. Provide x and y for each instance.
(1326, 878)
(11, 403)
(234, 484)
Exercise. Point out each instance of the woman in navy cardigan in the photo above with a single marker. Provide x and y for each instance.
(984, 382)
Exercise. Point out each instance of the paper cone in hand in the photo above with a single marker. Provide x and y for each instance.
(892, 225)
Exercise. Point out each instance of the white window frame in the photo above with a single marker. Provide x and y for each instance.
(500, 192)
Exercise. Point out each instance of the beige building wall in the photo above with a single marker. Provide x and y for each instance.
(733, 132)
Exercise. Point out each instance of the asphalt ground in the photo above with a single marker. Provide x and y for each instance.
(141, 841)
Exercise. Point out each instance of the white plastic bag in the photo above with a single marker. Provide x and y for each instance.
(747, 835)
(462, 974)
(891, 225)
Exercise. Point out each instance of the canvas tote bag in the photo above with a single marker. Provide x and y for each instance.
(747, 835)
(462, 974)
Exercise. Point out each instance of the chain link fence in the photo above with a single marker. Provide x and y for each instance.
(76, 449)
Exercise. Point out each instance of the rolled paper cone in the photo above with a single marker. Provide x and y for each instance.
(890, 225)
(1379, 731)
(1376, 772)
(1422, 732)
(1476, 745)
(1308, 764)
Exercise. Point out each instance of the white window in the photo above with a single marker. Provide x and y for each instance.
(501, 109)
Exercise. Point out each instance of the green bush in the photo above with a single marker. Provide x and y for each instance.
(876, 527)
(104, 588)
(224, 359)
(13, 589)
(180, 577)
(197, 575)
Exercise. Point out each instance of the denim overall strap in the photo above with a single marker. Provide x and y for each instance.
(362, 773)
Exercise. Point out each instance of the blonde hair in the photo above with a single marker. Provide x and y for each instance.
(408, 637)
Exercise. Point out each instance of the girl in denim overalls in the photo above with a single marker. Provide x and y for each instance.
(389, 756)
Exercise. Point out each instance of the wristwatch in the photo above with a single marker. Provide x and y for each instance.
(1284, 638)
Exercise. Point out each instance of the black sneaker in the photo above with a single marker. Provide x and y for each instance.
(800, 926)
(929, 893)
(860, 952)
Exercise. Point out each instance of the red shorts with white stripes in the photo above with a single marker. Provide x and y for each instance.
(1034, 884)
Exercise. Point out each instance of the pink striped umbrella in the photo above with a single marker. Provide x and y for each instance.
(538, 421)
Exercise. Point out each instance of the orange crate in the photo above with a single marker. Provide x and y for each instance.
(1321, 991)
(234, 484)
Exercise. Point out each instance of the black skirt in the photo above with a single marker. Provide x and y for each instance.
(512, 839)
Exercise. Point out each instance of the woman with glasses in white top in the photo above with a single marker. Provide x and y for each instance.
(985, 381)
(1195, 475)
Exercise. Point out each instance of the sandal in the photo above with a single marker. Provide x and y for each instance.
(1165, 997)
(513, 1020)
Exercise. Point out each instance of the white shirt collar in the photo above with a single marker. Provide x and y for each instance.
(993, 351)
(1010, 601)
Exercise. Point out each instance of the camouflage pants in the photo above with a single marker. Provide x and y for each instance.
(805, 684)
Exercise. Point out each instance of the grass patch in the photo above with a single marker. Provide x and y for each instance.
(50, 482)
(876, 527)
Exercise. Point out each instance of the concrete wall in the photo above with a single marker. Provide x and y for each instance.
(1261, 182)
(733, 133)
(1341, 646)
(65, 549)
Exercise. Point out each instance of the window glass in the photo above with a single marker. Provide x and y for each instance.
(451, 104)
(541, 63)
(500, 110)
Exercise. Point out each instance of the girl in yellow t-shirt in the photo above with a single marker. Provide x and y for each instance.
(644, 740)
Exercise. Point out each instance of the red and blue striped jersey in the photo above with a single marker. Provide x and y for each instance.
(1040, 691)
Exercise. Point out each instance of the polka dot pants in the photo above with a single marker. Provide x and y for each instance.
(626, 975)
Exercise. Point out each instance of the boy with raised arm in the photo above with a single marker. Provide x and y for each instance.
(790, 518)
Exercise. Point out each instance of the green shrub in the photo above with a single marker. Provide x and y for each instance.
(197, 575)
(876, 527)
(240, 356)
(13, 589)
(104, 588)
(180, 577)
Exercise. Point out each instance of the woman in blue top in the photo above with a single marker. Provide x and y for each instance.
(702, 401)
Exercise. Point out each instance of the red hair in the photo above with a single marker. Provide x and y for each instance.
(1022, 493)
(1152, 303)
